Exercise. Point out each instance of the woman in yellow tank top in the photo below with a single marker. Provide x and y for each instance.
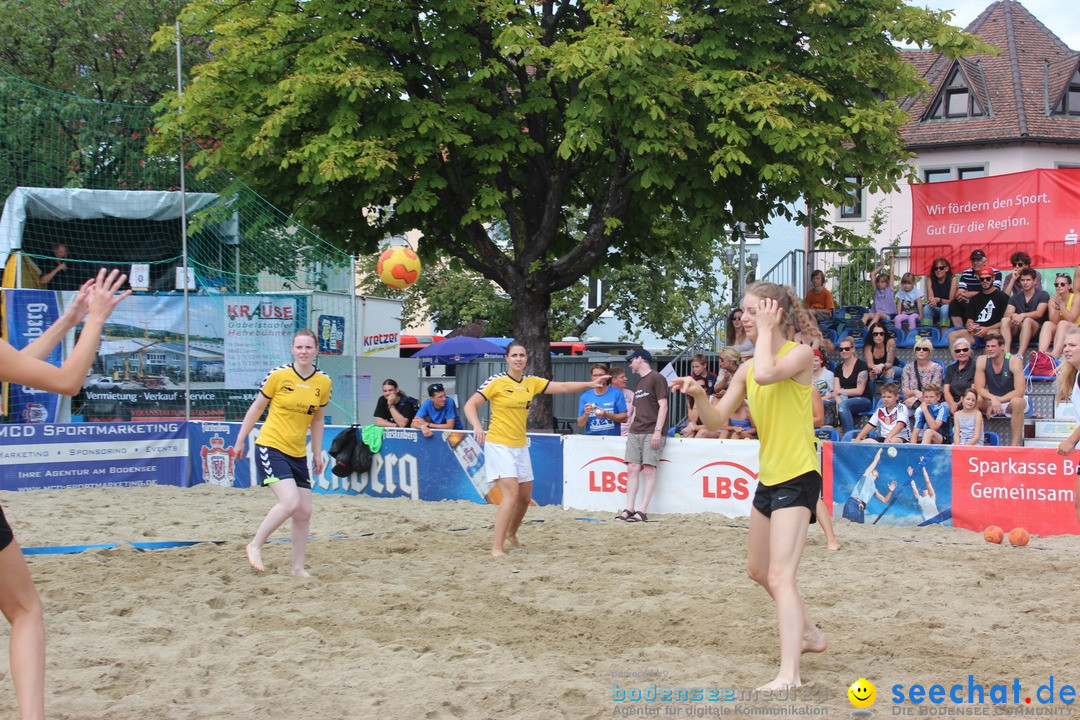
(777, 382)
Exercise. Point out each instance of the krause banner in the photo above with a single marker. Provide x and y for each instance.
(28, 314)
(63, 455)
(1036, 210)
(694, 475)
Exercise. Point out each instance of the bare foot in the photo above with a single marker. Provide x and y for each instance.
(814, 641)
(834, 545)
(778, 685)
(512, 539)
(497, 552)
(301, 573)
(254, 555)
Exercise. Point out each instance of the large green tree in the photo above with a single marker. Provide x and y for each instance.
(55, 55)
(597, 131)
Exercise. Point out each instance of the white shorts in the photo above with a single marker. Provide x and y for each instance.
(507, 462)
(1027, 408)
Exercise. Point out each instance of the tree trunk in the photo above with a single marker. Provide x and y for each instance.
(532, 317)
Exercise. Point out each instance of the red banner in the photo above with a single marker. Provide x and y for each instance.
(1032, 488)
(1037, 211)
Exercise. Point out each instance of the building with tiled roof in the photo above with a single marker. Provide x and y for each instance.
(984, 115)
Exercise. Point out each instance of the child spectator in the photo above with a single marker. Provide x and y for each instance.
(890, 419)
(931, 418)
(969, 421)
(819, 300)
(909, 302)
(883, 304)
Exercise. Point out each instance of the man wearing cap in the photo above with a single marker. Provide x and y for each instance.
(985, 311)
(969, 287)
(648, 432)
(438, 411)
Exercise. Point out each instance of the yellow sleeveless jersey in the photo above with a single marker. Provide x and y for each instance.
(510, 401)
(784, 416)
(293, 403)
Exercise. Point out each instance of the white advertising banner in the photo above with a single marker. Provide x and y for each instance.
(694, 475)
(256, 328)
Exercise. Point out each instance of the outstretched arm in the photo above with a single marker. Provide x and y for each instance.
(929, 485)
(44, 344)
(27, 369)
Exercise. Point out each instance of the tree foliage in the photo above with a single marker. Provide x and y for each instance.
(589, 128)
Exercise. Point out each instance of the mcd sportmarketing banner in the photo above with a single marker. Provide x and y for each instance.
(1036, 210)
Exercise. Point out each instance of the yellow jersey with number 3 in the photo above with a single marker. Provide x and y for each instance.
(293, 403)
(784, 415)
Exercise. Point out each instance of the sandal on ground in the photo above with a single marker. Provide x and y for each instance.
(638, 516)
(624, 515)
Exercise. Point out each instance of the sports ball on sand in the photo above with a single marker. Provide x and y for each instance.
(399, 267)
(994, 534)
(1019, 537)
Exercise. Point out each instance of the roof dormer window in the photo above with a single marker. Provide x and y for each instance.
(1069, 104)
(955, 100)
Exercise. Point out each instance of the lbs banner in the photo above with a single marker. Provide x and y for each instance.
(694, 475)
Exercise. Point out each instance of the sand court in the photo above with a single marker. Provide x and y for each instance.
(407, 615)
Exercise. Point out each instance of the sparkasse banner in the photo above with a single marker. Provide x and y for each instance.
(1038, 210)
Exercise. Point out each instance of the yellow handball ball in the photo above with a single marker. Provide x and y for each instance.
(399, 267)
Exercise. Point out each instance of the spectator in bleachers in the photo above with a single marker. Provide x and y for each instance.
(699, 371)
(909, 302)
(1020, 261)
(891, 419)
(883, 303)
(740, 425)
(999, 381)
(1063, 309)
(931, 426)
(984, 312)
(823, 379)
(729, 360)
(960, 374)
(968, 287)
(1026, 312)
(810, 334)
(969, 421)
(819, 299)
(735, 336)
(941, 286)
(1068, 390)
(852, 387)
(920, 373)
(879, 352)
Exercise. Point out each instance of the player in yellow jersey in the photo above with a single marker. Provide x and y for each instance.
(297, 394)
(506, 455)
(777, 383)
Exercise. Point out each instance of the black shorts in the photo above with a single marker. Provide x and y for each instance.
(6, 536)
(272, 465)
(801, 491)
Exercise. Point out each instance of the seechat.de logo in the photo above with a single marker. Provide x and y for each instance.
(725, 480)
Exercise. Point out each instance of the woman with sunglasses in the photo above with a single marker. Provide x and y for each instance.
(735, 336)
(921, 372)
(851, 386)
(941, 286)
(960, 374)
(879, 352)
(1063, 310)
